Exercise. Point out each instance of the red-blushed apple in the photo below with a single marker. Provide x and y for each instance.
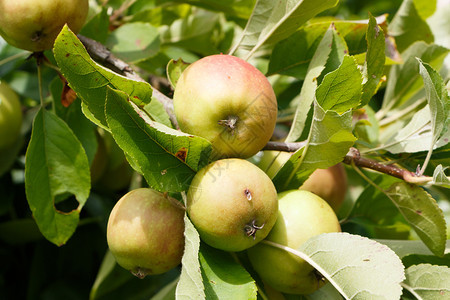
(227, 101)
(232, 203)
(302, 215)
(10, 116)
(145, 232)
(34, 25)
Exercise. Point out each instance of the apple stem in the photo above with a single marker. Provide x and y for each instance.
(229, 123)
(139, 272)
(251, 229)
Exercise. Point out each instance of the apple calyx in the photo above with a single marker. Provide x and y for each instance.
(140, 272)
(229, 123)
(251, 229)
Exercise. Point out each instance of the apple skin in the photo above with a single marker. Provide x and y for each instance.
(218, 90)
(10, 116)
(34, 25)
(302, 215)
(228, 198)
(145, 232)
(329, 184)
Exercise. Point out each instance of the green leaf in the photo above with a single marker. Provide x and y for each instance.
(56, 165)
(167, 158)
(133, 42)
(223, 277)
(438, 101)
(359, 268)
(167, 292)
(330, 49)
(329, 140)
(239, 8)
(404, 80)
(407, 26)
(375, 59)
(74, 117)
(293, 55)
(97, 27)
(190, 285)
(89, 80)
(274, 21)
(406, 247)
(174, 70)
(439, 177)
(422, 213)
(427, 281)
(340, 90)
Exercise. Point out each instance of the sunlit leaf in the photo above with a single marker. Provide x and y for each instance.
(174, 70)
(428, 281)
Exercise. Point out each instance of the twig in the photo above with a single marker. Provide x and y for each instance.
(101, 54)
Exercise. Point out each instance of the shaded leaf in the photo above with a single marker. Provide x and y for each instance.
(407, 26)
(439, 177)
(174, 70)
(407, 247)
(428, 281)
(56, 166)
(90, 80)
(167, 158)
(238, 8)
(190, 285)
(422, 213)
(223, 277)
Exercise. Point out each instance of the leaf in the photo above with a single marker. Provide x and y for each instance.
(292, 55)
(439, 177)
(407, 26)
(90, 80)
(133, 42)
(174, 70)
(422, 213)
(404, 80)
(274, 21)
(167, 158)
(167, 292)
(190, 285)
(404, 248)
(56, 165)
(438, 101)
(359, 268)
(329, 140)
(238, 8)
(340, 90)
(97, 27)
(428, 281)
(223, 277)
(331, 48)
(375, 59)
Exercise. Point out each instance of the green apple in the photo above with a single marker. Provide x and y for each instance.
(302, 215)
(232, 203)
(228, 102)
(145, 232)
(329, 184)
(34, 25)
(10, 116)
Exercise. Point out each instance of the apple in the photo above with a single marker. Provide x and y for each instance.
(232, 203)
(227, 101)
(34, 25)
(302, 215)
(145, 232)
(10, 116)
(329, 184)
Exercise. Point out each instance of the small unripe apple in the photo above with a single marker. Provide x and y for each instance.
(232, 204)
(145, 232)
(329, 184)
(227, 101)
(34, 25)
(10, 116)
(302, 215)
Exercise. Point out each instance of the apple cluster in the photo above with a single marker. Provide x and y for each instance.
(232, 202)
